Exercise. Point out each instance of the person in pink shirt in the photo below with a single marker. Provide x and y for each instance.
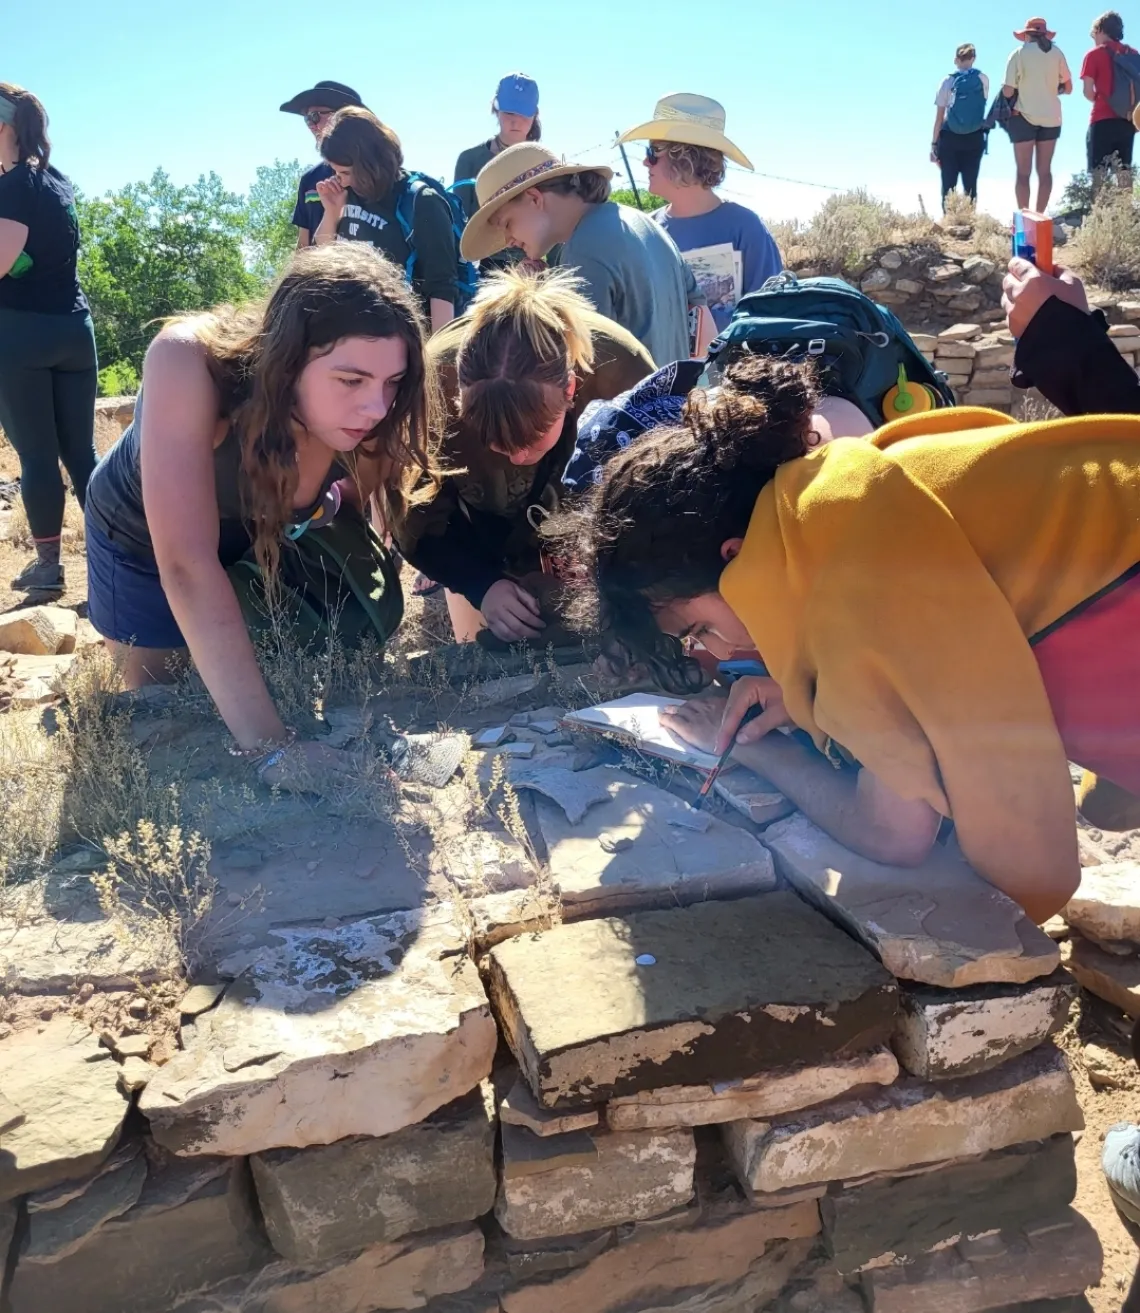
(1110, 137)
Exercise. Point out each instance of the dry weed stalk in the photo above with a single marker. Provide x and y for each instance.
(158, 881)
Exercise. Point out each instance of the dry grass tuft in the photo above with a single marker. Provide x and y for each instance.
(31, 797)
(158, 880)
(1106, 248)
(851, 226)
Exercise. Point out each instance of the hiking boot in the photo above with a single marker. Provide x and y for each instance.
(40, 577)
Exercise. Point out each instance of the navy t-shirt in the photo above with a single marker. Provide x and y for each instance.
(308, 212)
(44, 277)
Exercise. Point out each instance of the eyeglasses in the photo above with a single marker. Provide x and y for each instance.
(651, 156)
(315, 116)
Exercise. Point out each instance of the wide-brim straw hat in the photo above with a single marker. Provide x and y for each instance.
(1035, 27)
(506, 176)
(689, 119)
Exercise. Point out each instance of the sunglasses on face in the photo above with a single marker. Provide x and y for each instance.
(315, 116)
(651, 156)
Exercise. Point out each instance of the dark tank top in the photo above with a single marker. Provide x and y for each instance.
(115, 502)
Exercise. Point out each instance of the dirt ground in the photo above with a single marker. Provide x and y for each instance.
(1096, 1038)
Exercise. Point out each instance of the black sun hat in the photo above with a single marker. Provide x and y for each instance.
(330, 95)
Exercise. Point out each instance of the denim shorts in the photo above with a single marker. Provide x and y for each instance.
(125, 598)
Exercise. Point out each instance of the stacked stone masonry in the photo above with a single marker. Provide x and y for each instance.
(821, 1084)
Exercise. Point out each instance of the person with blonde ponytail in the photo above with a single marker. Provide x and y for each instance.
(516, 371)
(48, 366)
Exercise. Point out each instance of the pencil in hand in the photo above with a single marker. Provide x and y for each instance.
(706, 788)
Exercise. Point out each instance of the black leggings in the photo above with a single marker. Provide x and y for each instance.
(960, 153)
(48, 381)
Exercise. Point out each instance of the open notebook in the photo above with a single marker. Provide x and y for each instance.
(634, 719)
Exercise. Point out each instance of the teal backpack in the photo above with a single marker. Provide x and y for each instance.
(859, 346)
(466, 276)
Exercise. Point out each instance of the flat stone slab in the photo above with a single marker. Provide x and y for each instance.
(907, 1216)
(1107, 905)
(753, 796)
(404, 1275)
(1051, 1262)
(761, 1096)
(738, 1264)
(62, 1219)
(633, 1175)
(660, 858)
(519, 1107)
(67, 1085)
(322, 1202)
(1115, 979)
(909, 1124)
(45, 954)
(358, 1030)
(527, 1154)
(938, 923)
(293, 875)
(194, 1224)
(602, 1009)
(961, 1033)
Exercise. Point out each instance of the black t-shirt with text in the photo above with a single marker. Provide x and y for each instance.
(308, 212)
(43, 278)
(434, 236)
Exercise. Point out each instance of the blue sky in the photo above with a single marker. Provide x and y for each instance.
(823, 92)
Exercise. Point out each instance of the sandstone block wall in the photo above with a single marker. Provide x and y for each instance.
(806, 1089)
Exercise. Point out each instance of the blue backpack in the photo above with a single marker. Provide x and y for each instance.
(1125, 83)
(859, 346)
(967, 113)
(466, 277)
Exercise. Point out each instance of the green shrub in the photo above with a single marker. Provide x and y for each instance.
(119, 380)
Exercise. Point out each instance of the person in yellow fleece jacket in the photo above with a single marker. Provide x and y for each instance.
(950, 609)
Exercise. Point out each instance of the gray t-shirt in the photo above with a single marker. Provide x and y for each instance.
(635, 275)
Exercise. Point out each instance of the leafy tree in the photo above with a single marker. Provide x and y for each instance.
(269, 232)
(152, 249)
(625, 196)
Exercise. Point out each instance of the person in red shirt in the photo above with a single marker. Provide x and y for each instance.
(1109, 135)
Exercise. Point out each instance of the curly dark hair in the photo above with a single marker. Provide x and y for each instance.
(651, 532)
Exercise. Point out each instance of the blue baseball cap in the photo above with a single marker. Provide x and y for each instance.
(517, 94)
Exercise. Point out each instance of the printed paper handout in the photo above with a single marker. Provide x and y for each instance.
(719, 272)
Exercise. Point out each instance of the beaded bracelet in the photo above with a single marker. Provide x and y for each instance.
(264, 749)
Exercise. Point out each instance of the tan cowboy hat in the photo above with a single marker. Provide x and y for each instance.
(504, 177)
(1035, 27)
(693, 120)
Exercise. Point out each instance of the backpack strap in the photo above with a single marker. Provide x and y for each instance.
(410, 189)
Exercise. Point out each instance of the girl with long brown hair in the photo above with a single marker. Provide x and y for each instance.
(252, 424)
(47, 341)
